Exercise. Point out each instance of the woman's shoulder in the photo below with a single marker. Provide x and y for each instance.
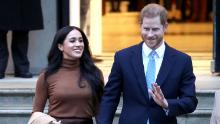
(42, 73)
(41, 76)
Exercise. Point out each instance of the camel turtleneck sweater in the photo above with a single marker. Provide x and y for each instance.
(66, 98)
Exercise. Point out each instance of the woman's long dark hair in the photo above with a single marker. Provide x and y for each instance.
(88, 70)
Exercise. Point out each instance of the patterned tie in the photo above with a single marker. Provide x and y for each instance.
(151, 68)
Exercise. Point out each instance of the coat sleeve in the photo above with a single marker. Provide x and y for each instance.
(111, 96)
(187, 101)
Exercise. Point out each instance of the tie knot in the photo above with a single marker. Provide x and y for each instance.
(152, 54)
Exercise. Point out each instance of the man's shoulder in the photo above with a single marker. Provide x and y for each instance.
(130, 49)
(178, 52)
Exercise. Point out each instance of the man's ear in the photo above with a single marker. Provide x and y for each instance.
(60, 46)
(165, 27)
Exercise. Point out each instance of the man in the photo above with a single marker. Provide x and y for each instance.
(157, 87)
(20, 17)
(115, 5)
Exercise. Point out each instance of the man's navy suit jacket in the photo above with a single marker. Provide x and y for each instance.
(127, 76)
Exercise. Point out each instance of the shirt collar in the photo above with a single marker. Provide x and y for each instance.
(160, 50)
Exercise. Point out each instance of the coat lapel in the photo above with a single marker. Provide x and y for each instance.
(168, 61)
(137, 63)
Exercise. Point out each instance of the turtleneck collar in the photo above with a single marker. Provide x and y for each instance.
(70, 64)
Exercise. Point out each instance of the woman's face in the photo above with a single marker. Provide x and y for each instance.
(72, 46)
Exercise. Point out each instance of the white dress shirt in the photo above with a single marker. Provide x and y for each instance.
(158, 60)
(158, 57)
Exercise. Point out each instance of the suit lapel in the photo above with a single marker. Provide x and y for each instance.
(168, 61)
(137, 63)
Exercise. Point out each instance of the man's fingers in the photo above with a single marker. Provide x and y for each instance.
(160, 92)
(151, 92)
(157, 91)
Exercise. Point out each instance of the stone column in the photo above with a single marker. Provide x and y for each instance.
(95, 37)
(75, 13)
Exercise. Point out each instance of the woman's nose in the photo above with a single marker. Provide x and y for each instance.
(78, 43)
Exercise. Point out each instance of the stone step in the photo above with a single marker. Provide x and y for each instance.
(205, 99)
(21, 116)
(16, 97)
(24, 97)
(15, 115)
(198, 116)
(16, 107)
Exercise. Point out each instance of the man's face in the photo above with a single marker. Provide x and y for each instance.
(152, 31)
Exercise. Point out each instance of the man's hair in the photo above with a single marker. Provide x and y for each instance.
(153, 10)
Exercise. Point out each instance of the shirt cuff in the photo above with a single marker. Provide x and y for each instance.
(166, 111)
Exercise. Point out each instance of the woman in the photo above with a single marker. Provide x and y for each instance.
(71, 82)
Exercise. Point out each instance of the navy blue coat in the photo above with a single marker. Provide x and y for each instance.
(20, 15)
(127, 76)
